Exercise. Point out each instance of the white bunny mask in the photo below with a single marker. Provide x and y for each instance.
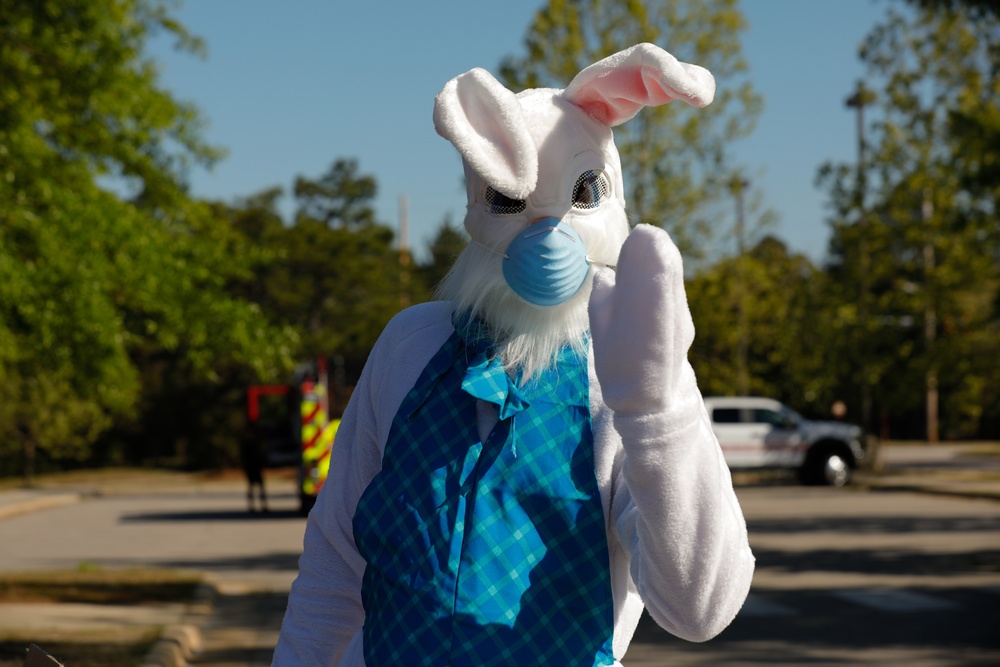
(525, 155)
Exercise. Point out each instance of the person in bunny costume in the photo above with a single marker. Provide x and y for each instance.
(527, 463)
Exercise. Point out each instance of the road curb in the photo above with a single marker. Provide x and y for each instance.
(38, 503)
(179, 643)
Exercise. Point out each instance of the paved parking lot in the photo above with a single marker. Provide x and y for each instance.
(903, 568)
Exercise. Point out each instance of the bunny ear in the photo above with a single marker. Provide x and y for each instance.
(485, 123)
(613, 90)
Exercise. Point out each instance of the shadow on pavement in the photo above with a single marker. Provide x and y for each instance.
(214, 515)
(921, 626)
(878, 560)
(881, 561)
(278, 561)
(875, 525)
(818, 628)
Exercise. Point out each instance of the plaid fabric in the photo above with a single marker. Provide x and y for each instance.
(487, 553)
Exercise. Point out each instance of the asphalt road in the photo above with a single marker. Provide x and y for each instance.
(206, 528)
(857, 578)
(844, 576)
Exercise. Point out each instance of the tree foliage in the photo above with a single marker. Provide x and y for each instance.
(925, 226)
(445, 247)
(782, 329)
(332, 275)
(676, 159)
(133, 316)
(104, 258)
(339, 198)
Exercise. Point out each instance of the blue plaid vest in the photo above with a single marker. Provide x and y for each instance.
(487, 553)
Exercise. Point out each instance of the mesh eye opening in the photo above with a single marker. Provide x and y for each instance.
(591, 189)
(500, 204)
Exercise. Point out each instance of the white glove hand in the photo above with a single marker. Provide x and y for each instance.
(642, 328)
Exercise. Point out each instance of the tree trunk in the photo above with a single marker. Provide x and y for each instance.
(29, 463)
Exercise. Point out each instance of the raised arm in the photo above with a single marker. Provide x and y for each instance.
(677, 515)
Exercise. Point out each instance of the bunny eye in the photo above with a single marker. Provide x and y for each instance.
(591, 189)
(500, 204)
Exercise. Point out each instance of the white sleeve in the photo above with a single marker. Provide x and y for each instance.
(681, 521)
(324, 606)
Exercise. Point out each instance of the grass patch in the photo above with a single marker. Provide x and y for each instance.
(92, 585)
(981, 449)
(89, 651)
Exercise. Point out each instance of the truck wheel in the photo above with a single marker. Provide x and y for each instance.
(826, 467)
(836, 472)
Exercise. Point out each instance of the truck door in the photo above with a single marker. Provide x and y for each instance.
(782, 441)
(741, 438)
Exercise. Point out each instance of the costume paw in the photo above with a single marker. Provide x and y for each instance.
(641, 325)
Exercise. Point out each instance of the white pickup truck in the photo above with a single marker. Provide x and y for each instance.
(764, 433)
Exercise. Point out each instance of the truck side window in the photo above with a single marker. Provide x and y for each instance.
(763, 416)
(726, 415)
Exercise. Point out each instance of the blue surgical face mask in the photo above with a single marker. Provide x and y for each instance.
(547, 263)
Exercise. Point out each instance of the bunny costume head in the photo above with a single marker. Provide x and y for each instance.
(545, 193)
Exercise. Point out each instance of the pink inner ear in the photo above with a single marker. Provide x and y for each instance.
(617, 95)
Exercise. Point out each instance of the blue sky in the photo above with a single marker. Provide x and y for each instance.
(288, 87)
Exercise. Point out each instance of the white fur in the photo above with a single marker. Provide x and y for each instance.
(528, 336)
(483, 121)
(533, 146)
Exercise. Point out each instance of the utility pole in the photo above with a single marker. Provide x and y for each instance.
(861, 98)
(737, 185)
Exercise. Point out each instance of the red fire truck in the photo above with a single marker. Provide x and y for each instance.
(294, 426)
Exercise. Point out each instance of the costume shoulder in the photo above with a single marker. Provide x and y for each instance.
(402, 351)
(416, 319)
(425, 325)
(408, 342)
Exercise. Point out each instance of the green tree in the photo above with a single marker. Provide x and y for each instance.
(927, 234)
(332, 275)
(784, 331)
(341, 282)
(976, 8)
(105, 261)
(676, 159)
(339, 198)
(445, 247)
